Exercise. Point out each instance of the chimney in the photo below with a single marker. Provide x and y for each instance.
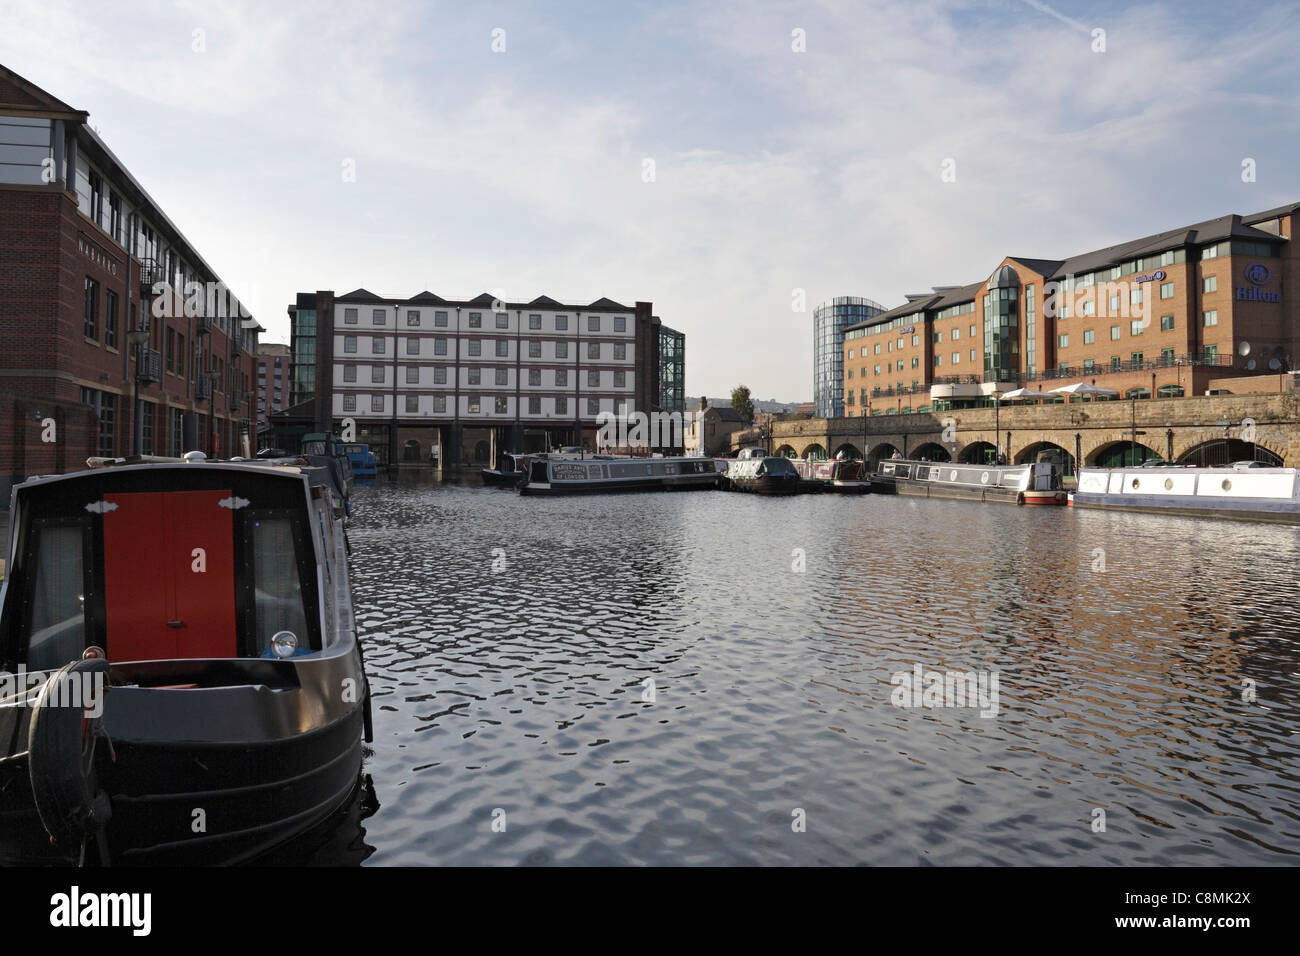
(704, 403)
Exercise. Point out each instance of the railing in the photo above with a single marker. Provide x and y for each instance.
(202, 325)
(236, 401)
(203, 387)
(148, 365)
(1129, 365)
(236, 347)
(150, 272)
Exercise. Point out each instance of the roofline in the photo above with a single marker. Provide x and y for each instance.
(470, 303)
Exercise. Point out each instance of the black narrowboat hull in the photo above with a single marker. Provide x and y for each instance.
(769, 485)
(501, 479)
(613, 486)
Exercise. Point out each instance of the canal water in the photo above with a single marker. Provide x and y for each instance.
(714, 678)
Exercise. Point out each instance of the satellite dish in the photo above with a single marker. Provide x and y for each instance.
(1243, 349)
(1274, 364)
(1250, 366)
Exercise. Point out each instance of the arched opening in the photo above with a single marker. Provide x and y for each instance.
(1121, 454)
(1224, 451)
(880, 453)
(481, 451)
(978, 453)
(1170, 391)
(814, 451)
(786, 451)
(932, 451)
(1047, 451)
(411, 450)
(849, 449)
(1137, 391)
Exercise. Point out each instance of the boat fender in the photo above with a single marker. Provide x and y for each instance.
(1020, 498)
(61, 753)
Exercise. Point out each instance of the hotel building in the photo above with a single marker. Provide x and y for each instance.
(1159, 316)
(115, 336)
(454, 381)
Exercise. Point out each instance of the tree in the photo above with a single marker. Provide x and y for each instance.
(741, 402)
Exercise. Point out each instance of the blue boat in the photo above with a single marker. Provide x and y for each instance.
(364, 462)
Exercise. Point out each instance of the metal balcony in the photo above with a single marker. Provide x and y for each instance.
(203, 387)
(150, 272)
(148, 365)
(236, 401)
(202, 325)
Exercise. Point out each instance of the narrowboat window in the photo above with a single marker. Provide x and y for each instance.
(58, 619)
(276, 585)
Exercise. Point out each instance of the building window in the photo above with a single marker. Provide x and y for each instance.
(534, 321)
(376, 403)
(440, 375)
(502, 405)
(938, 361)
(956, 358)
(110, 318)
(1063, 341)
(349, 373)
(476, 376)
(620, 323)
(534, 405)
(1210, 317)
(349, 343)
(379, 316)
(349, 403)
(1166, 290)
(561, 323)
(1135, 297)
(475, 404)
(412, 403)
(1115, 363)
(349, 316)
(412, 346)
(876, 370)
(620, 350)
(534, 349)
(1211, 354)
(376, 345)
(1089, 336)
(1166, 323)
(850, 373)
(972, 355)
(956, 334)
(1114, 333)
(1114, 304)
(1210, 284)
(561, 405)
(593, 323)
(1088, 365)
(476, 320)
(593, 406)
(916, 362)
(620, 379)
(440, 403)
(1166, 356)
(900, 365)
(413, 319)
(562, 377)
(503, 377)
(90, 325)
(561, 349)
(503, 348)
(1088, 307)
(475, 347)
(440, 320)
(412, 375)
(439, 346)
(593, 350)
(534, 376)
(377, 374)
(593, 379)
(1136, 361)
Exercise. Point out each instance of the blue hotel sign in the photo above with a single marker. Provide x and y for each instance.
(1257, 274)
(1157, 276)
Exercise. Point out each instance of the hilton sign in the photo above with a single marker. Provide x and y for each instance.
(1256, 274)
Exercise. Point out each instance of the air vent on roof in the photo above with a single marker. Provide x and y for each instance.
(915, 296)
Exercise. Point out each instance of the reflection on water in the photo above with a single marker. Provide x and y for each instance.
(511, 644)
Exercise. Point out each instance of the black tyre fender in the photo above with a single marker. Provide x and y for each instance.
(61, 755)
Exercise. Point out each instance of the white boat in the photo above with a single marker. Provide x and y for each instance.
(1243, 491)
(1029, 484)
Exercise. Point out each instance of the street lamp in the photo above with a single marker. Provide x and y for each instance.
(136, 339)
(997, 426)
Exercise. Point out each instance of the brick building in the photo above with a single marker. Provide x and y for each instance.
(115, 336)
(458, 381)
(273, 361)
(1160, 316)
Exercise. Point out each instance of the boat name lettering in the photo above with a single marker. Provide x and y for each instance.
(568, 472)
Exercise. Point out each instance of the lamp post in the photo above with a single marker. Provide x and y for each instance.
(997, 426)
(135, 339)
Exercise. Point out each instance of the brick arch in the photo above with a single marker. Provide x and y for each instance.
(1201, 436)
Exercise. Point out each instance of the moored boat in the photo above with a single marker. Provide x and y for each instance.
(1243, 491)
(508, 477)
(841, 475)
(1029, 484)
(768, 475)
(569, 474)
(183, 680)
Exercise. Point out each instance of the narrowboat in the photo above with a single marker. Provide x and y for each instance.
(1029, 484)
(1243, 491)
(325, 445)
(363, 460)
(568, 474)
(769, 475)
(841, 475)
(182, 679)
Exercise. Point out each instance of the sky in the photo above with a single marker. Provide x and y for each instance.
(733, 162)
